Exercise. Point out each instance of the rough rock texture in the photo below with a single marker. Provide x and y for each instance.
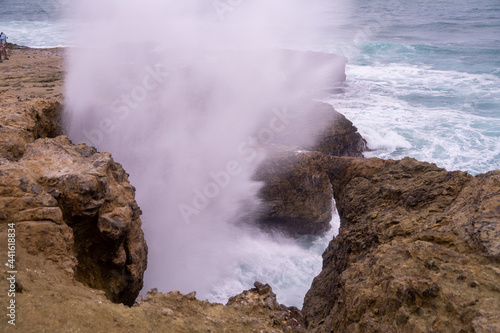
(77, 207)
(22, 123)
(290, 319)
(340, 137)
(297, 193)
(70, 203)
(418, 251)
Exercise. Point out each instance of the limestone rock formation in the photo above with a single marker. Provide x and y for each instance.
(70, 203)
(418, 250)
(290, 319)
(340, 137)
(297, 193)
(261, 296)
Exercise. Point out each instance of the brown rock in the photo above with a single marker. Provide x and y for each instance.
(339, 137)
(412, 238)
(22, 123)
(260, 296)
(76, 207)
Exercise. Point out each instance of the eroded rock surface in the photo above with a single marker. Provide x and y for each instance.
(77, 207)
(23, 122)
(317, 126)
(70, 203)
(418, 251)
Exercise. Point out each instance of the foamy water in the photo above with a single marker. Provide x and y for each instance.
(431, 115)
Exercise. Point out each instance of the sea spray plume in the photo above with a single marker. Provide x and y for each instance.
(184, 96)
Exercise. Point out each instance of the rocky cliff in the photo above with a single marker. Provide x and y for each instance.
(418, 250)
(70, 202)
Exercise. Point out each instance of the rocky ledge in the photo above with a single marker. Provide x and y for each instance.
(418, 250)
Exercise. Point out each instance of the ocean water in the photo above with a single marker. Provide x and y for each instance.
(423, 80)
(36, 23)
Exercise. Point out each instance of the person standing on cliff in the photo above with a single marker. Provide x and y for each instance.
(3, 46)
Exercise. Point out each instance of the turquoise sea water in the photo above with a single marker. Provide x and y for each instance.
(423, 80)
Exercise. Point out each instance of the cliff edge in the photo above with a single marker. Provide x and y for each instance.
(418, 250)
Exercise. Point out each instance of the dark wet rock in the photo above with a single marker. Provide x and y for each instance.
(317, 126)
(297, 194)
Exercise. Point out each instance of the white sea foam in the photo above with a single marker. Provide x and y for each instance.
(431, 115)
(287, 265)
(39, 34)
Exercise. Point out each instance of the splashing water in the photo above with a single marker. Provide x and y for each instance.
(180, 92)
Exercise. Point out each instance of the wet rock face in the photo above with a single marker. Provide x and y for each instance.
(76, 207)
(340, 137)
(297, 194)
(417, 250)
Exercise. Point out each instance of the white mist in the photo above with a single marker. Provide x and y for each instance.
(179, 92)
